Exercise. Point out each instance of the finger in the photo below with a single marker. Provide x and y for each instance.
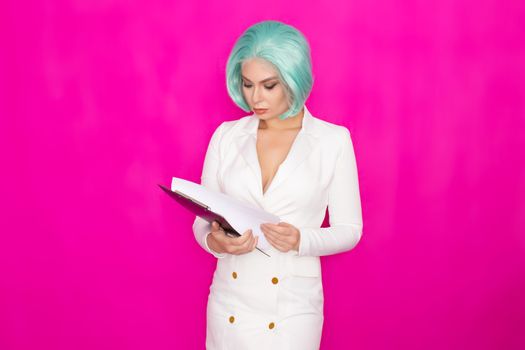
(245, 247)
(252, 246)
(268, 229)
(256, 240)
(216, 226)
(283, 246)
(285, 224)
(275, 236)
(285, 231)
(248, 244)
(216, 233)
(277, 245)
(246, 236)
(221, 237)
(235, 240)
(246, 232)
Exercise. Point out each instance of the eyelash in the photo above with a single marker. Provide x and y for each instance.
(267, 87)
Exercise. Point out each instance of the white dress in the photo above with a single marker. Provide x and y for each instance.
(276, 302)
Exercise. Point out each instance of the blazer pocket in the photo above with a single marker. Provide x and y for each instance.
(306, 266)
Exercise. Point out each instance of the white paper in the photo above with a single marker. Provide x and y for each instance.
(240, 215)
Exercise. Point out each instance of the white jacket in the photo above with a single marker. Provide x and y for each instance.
(319, 171)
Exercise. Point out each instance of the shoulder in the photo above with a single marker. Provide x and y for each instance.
(332, 135)
(227, 130)
(231, 126)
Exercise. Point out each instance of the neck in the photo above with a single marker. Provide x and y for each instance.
(292, 122)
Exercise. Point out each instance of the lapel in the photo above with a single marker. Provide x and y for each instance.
(302, 146)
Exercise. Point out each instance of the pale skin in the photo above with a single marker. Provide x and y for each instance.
(262, 88)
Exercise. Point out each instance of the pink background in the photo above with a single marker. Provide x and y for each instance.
(102, 100)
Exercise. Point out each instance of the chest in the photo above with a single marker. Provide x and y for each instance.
(256, 170)
(272, 149)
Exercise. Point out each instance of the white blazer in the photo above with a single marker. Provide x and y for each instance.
(319, 171)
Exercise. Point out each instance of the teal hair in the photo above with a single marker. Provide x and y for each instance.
(286, 49)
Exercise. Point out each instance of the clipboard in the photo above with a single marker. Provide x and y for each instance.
(203, 211)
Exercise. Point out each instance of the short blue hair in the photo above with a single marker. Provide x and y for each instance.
(286, 49)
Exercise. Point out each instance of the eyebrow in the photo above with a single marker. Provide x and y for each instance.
(262, 81)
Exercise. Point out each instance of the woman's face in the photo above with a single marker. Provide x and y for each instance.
(263, 89)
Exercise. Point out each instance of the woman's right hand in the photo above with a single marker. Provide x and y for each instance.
(219, 242)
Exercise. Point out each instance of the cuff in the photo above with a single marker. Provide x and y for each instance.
(215, 254)
(304, 242)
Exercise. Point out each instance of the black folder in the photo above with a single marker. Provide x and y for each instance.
(202, 211)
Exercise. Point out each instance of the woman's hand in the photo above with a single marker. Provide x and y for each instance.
(219, 242)
(283, 236)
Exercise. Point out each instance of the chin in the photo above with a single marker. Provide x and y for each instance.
(262, 117)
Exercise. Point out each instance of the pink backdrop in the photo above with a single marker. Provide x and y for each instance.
(102, 100)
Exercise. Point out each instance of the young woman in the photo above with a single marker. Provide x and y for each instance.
(286, 161)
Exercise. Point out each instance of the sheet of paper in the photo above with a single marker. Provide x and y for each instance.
(241, 216)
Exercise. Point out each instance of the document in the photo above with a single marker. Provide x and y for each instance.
(234, 215)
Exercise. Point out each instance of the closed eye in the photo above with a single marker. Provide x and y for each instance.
(267, 87)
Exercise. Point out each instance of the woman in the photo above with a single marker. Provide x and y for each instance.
(293, 165)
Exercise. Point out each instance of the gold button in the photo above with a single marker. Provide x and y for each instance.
(234, 275)
(275, 280)
(232, 319)
(271, 325)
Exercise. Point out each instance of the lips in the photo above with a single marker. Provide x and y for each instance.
(260, 110)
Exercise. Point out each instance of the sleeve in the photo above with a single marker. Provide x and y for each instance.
(202, 228)
(344, 207)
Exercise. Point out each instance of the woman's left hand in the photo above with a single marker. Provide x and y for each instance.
(283, 236)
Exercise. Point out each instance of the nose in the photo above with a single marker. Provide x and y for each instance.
(256, 95)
